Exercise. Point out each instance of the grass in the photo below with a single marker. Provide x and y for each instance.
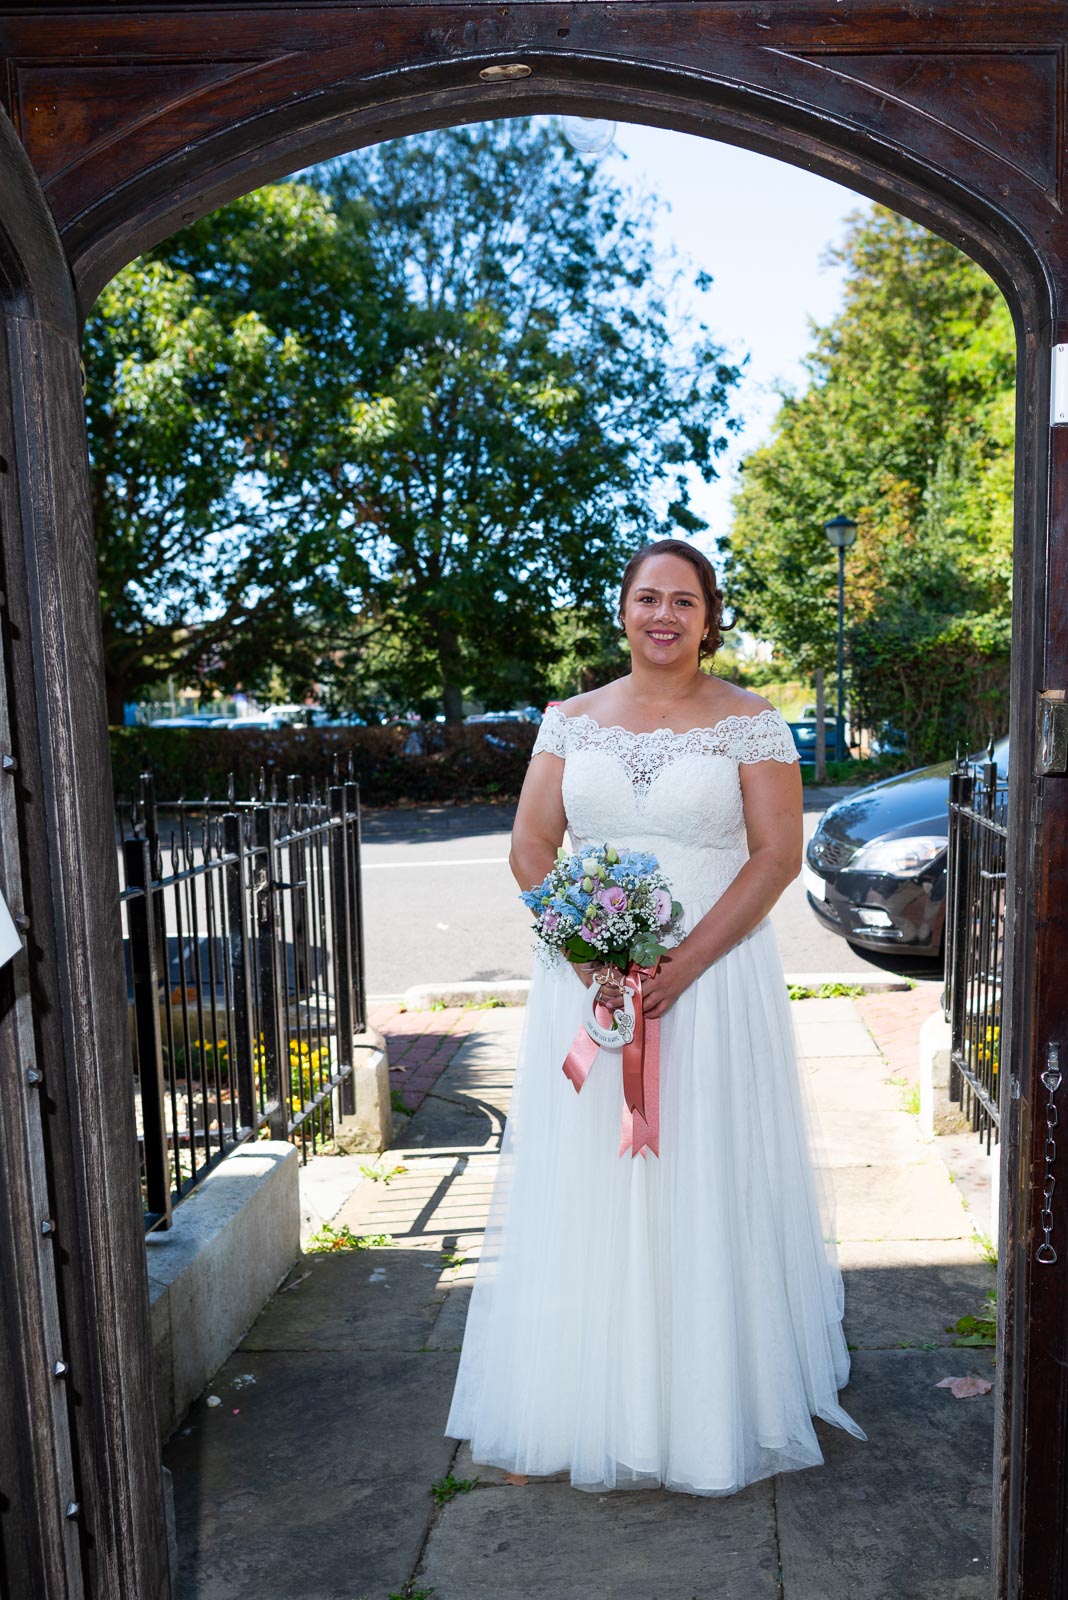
(396, 1101)
(447, 1488)
(987, 1246)
(491, 1004)
(382, 1174)
(825, 991)
(452, 1258)
(330, 1239)
(977, 1333)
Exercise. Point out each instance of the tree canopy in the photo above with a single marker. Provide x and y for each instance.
(906, 424)
(373, 427)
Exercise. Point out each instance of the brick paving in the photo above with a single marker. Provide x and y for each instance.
(420, 1044)
(894, 1021)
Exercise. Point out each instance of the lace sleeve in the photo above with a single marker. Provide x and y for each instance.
(766, 737)
(552, 735)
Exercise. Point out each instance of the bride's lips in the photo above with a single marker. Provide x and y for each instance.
(664, 637)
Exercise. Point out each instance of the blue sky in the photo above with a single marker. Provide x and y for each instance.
(760, 228)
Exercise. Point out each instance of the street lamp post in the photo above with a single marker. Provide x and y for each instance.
(841, 533)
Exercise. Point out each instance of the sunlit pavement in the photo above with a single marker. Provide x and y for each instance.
(313, 1480)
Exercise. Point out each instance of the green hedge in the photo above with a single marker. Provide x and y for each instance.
(393, 766)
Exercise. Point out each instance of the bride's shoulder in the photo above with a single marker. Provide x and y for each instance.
(595, 703)
(730, 700)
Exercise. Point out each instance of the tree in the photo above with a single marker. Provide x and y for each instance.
(208, 366)
(543, 416)
(378, 424)
(906, 424)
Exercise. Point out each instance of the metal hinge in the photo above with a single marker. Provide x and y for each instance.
(1052, 753)
(1058, 389)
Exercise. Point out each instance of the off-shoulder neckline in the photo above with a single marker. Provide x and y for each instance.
(654, 733)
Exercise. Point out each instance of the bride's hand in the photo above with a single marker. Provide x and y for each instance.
(675, 973)
(608, 978)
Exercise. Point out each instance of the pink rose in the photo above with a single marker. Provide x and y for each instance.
(613, 900)
(662, 902)
(550, 921)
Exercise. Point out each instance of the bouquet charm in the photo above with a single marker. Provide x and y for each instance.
(612, 907)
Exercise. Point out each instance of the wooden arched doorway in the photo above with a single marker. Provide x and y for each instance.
(121, 126)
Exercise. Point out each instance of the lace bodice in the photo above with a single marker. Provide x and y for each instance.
(676, 794)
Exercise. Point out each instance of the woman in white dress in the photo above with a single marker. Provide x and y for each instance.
(671, 1319)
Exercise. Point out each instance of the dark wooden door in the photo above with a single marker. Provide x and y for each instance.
(138, 118)
(81, 1505)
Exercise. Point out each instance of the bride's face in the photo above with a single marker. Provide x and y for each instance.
(664, 614)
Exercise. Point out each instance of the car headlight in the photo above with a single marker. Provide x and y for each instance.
(898, 855)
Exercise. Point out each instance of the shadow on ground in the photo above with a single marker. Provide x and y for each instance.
(312, 1478)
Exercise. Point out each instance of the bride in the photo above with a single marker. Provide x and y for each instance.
(670, 1319)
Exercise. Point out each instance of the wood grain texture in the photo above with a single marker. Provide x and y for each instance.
(69, 885)
(140, 118)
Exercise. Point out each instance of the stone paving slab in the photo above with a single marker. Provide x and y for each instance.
(908, 1291)
(435, 1201)
(904, 1201)
(551, 1542)
(835, 1037)
(319, 1488)
(906, 1515)
(841, 1084)
(385, 1299)
(855, 1136)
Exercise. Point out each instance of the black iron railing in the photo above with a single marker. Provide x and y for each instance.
(243, 942)
(975, 939)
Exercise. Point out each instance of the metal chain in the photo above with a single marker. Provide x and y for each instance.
(1046, 1255)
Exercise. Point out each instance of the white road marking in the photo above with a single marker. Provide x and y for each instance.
(465, 861)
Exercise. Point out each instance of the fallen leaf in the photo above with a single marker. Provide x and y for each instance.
(967, 1388)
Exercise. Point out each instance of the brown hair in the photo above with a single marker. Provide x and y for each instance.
(711, 593)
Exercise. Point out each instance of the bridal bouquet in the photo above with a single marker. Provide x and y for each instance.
(612, 905)
(606, 904)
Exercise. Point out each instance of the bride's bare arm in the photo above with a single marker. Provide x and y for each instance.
(771, 797)
(540, 822)
(537, 834)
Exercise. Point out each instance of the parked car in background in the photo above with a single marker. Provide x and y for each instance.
(193, 720)
(266, 721)
(804, 731)
(528, 714)
(875, 868)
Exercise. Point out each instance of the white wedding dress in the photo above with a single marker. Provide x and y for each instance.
(671, 1319)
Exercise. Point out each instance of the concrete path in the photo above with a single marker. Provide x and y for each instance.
(312, 1479)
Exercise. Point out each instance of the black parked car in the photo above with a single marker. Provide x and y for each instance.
(875, 868)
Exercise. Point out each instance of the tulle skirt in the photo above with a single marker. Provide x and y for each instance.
(669, 1320)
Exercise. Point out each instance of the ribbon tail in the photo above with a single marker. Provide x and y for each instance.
(641, 1082)
(583, 1051)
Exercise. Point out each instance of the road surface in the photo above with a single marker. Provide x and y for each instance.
(441, 905)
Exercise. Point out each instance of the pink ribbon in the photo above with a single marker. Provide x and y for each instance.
(641, 1068)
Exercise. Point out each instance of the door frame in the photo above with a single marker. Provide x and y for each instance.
(910, 110)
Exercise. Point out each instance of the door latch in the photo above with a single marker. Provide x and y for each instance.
(1052, 733)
